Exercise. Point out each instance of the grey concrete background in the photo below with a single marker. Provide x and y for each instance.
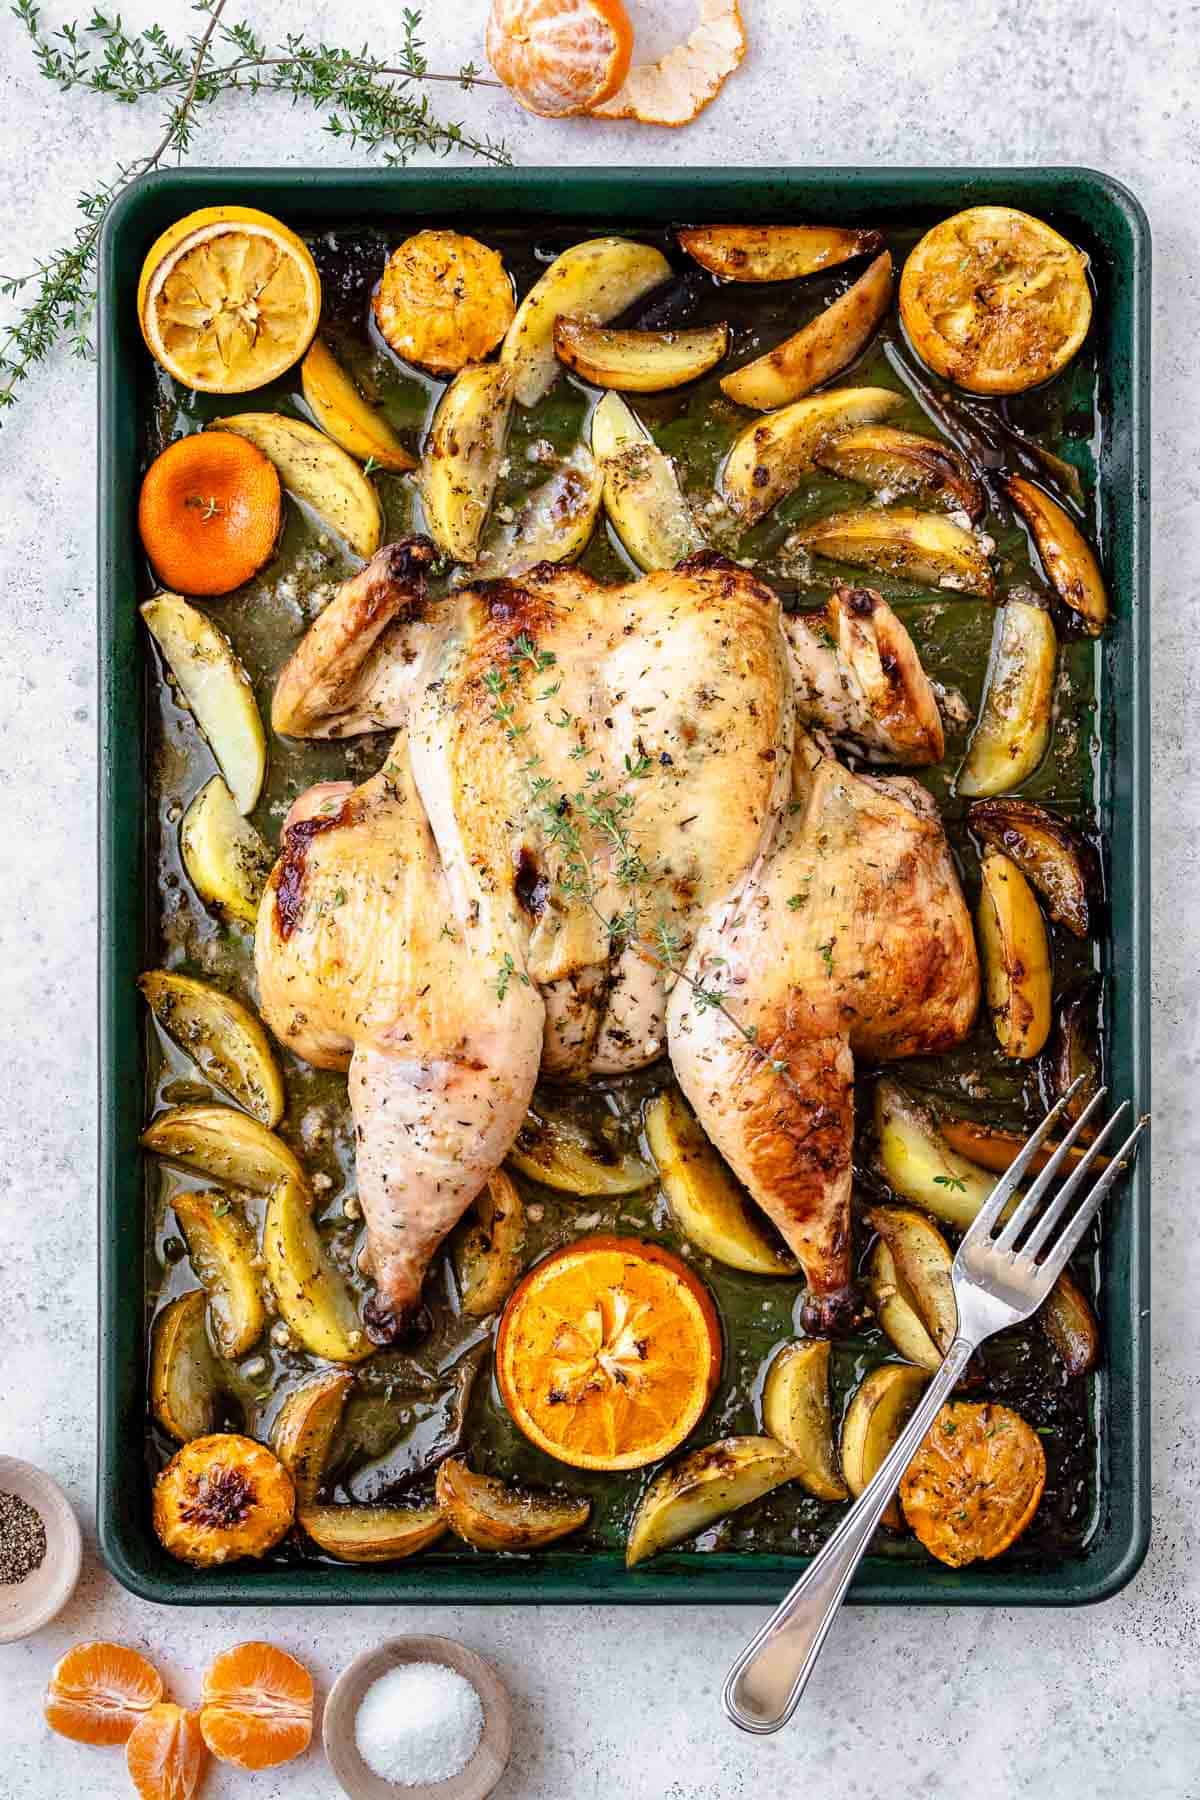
(1100, 1703)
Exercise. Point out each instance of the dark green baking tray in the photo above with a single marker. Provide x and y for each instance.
(1091, 209)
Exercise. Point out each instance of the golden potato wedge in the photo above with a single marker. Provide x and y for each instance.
(774, 252)
(554, 524)
(594, 280)
(919, 1164)
(692, 1494)
(820, 350)
(342, 413)
(881, 1408)
(461, 462)
(371, 1534)
(797, 1410)
(226, 861)
(488, 1248)
(1016, 958)
(914, 546)
(317, 471)
(224, 1039)
(903, 462)
(305, 1427)
(772, 455)
(997, 1150)
(223, 1253)
(706, 1202)
(1067, 557)
(314, 1301)
(896, 1314)
(184, 1378)
(217, 1141)
(638, 362)
(494, 1515)
(553, 1149)
(217, 690)
(922, 1262)
(1012, 732)
(642, 496)
(1047, 852)
(1070, 1324)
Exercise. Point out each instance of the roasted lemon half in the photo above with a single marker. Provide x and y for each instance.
(995, 300)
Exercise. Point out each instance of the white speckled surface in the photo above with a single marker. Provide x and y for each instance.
(1099, 1704)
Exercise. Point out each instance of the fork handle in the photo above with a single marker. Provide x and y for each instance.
(765, 1683)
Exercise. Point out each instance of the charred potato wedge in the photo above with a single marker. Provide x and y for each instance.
(211, 679)
(226, 861)
(882, 1406)
(897, 1314)
(922, 1263)
(184, 1378)
(488, 1248)
(702, 1488)
(974, 1484)
(1047, 852)
(638, 362)
(217, 1141)
(903, 462)
(493, 1515)
(314, 469)
(821, 350)
(552, 1149)
(1067, 557)
(224, 1255)
(796, 1410)
(371, 1534)
(772, 455)
(461, 463)
(314, 1301)
(918, 1163)
(1012, 733)
(913, 546)
(706, 1202)
(595, 281)
(554, 524)
(305, 1427)
(342, 413)
(642, 496)
(1016, 958)
(774, 252)
(224, 1039)
(1070, 1324)
(1075, 1052)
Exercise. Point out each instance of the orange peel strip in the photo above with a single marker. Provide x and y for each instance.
(675, 89)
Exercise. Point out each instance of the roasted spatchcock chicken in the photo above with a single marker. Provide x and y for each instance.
(611, 824)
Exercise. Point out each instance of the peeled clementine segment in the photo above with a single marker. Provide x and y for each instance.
(559, 57)
(166, 1754)
(677, 87)
(608, 1353)
(256, 1706)
(98, 1692)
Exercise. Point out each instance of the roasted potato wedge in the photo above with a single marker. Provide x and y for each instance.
(1070, 1324)
(772, 455)
(217, 689)
(974, 1484)
(642, 496)
(638, 362)
(226, 861)
(1060, 865)
(314, 1301)
(224, 1039)
(494, 1515)
(1016, 958)
(488, 1248)
(922, 1262)
(461, 462)
(305, 1427)
(796, 1410)
(706, 1202)
(997, 1150)
(897, 1314)
(342, 413)
(318, 472)
(903, 462)
(774, 252)
(881, 1408)
(217, 1141)
(184, 1378)
(595, 281)
(1067, 557)
(820, 350)
(1076, 1051)
(919, 1164)
(552, 1149)
(914, 546)
(371, 1534)
(1012, 733)
(554, 524)
(223, 1253)
(692, 1494)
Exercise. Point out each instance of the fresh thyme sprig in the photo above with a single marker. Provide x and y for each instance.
(366, 100)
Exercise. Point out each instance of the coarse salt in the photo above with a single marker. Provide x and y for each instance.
(421, 1722)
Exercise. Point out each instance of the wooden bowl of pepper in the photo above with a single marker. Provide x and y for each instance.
(41, 1549)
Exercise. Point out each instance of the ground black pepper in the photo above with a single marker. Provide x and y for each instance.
(22, 1539)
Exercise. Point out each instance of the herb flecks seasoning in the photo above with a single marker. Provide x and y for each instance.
(22, 1539)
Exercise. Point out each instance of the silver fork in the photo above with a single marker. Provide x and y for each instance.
(996, 1284)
